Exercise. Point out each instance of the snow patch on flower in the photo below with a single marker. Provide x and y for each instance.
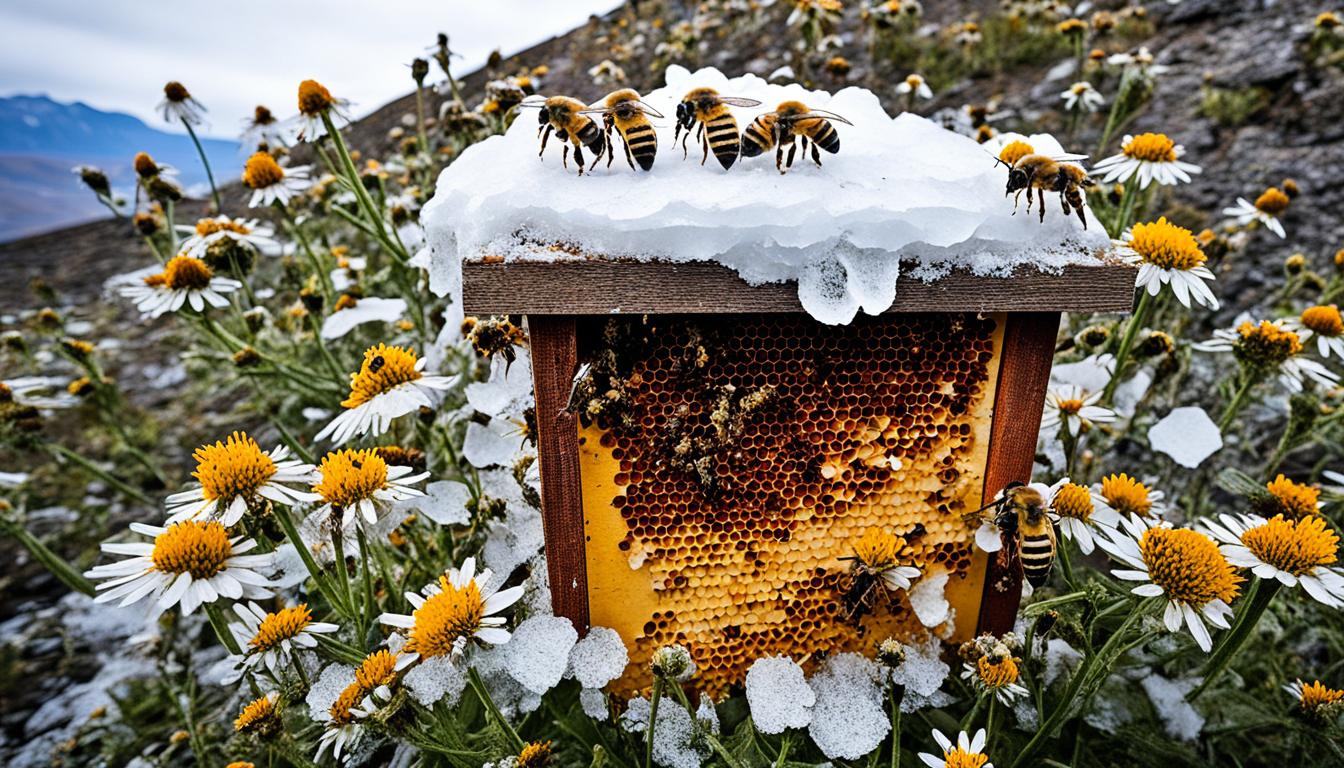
(848, 719)
(598, 658)
(778, 695)
(538, 653)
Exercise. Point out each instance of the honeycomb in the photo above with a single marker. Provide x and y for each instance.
(728, 464)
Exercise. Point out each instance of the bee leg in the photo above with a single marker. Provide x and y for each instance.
(816, 155)
(793, 147)
(545, 136)
(1040, 195)
(564, 158)
(1017, 198)
(1081, 216)
(578, 157)
(629, 158)
(611, 148)
(779, 157)
(704, 141)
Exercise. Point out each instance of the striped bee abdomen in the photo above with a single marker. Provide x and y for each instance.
(756, 139)
(721, 133)
(826, 137)
(591, 136)
(1038, 557)
(643, 144)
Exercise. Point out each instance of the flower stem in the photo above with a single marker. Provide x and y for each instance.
(298, 667)
(292, 533)
(214, 191)
(61, 452)
(361, 194)
(1253, 607)
(323, 277)
(53, 562)
(653, 718)
(709, 738)
(1237, 402)
(896, 724)
(492, 711)
(1127, 342)
(221, 626)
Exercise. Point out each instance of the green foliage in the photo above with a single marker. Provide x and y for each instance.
(1232, 107)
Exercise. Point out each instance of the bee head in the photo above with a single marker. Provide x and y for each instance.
(686, 114)
(1017, 179)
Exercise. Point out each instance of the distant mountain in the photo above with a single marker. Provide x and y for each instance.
(42, 139)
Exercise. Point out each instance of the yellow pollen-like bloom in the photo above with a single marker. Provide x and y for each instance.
(1071, 27)
(345, 301)
(258, 716)
(350, 476)
(1266, 344)
(1166, 245)
(1188, 566)
(80, 387)
(1292, 500)
(1073, 500)
(446, 616)
(378, 668)
(1316, 695)
(997, 673)
(241, 764)
(536, 754)
(1272, 201)
(1126, 495)
(384, 367)
(1070, 405)
(261, 171)
(197, 548)
(1293, 546)
(1327, 20)
(1151, 147)
(314, 98)
(77, 347)
(284, 624)
(211, 226)
(145, 165)
(1324, 319)
(176, 92)
(878, 550)
(350, 697)
(1014, 151)
(231, 468)
(914, 81)
(187, 273)
(959, 758)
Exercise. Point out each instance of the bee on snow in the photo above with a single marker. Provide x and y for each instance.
(624, 111)
(715, 127)
(790, 122)
(564, 117)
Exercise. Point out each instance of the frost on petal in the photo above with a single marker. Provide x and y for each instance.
(497, 443)
(594, 703)
(538, 653)
(674, 736)
(444, 502)
(327, 688)
(848, 719)
(1180, 720)
(598, 658)
(927, 598)
(922, 673)
(778, 695)
(1187, 435)
(440, 678)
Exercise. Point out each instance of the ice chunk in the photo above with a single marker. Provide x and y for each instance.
(538, 653)
(848, 719)
(1059, 657)
(778, 695)
(327, 688)
(598, 658)
(899, 189)
(1168, 696)
(440, 678)
(444, 502)
(496, 443)
(508, 391)
(927, 599)
(1187, 435)
(922, 673)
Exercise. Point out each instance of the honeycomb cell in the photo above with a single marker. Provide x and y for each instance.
(743, 457)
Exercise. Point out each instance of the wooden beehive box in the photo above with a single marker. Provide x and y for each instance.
(704, 488)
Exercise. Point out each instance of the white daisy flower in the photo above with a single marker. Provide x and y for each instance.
(1266, 209)
(367, 310)
(452, 612)
(45, 392)
(1325, 323)
(184, 281)
(1294, 552)
(1151, 157)
(187, 564)
(1126, 496)
(1077, 510)
(1081, 96)
(363, 697)
(1182, 565)
(178, 105)
(269, 638)
(881, 553)
(1168, 255)
(1141, 60)
(1072, 406)
(350, 481)
(314, 102)
(389, 384)
(965, 753)
(996, 674)
(234, 475)
(249, 232)
(1270, 346)
(914, 84)
(271, 182)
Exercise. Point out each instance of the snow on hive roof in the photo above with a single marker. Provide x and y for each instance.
(901, 188)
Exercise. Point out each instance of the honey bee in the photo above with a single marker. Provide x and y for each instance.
(1053, 174)
(624, 111)
(715, 128)
(790, 121)
(875, 570)
(1025, 530)
(376, 364)
(564, 116)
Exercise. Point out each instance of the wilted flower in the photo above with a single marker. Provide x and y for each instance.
(1266, 209)
(1266, 348)
(94, 179)
(1073, 407)
(1290, 551)
(1316, 701)
(184, 281)
(454, 611)
(673, 662)
(1082, 97)
(178, 105)
(316, 102)
(263, 129)
(271, 182)
(372, 686)
(1151, 157)
(389, 384)
(208, 231)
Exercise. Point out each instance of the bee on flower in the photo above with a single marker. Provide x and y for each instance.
(207, 231)
(967, 752)
(187, 564)
(350, 481)
(234, 475)
(185, 281)
(1183, 566)
(1072, 406)
(1269, 347)
(178, 105)
(271, 182)
(389, 384)
(1267, 209)
(271, 638)
(1082, 97)
(1150, 157)
(1293, 552)
(458, 609)
(1167, 254)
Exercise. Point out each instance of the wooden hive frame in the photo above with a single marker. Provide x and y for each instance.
(555, 297)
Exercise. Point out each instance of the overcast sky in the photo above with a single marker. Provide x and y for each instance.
(232, 55)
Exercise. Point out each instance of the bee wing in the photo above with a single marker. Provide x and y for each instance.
(735, 101)
(646, 109)
(579, 376)
(1067, 157)
(535, 101)
(822, 114)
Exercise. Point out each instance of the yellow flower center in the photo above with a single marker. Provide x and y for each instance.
(350, 697)
(959, 758)
(1073, 501)
(535, 755)
(176, 92)
(262, 116)
(232, 468)
(314, 98)
(259, 715)
(1295, 547)
(1324, 319)
(1072, 27)
(197, 548)
(284, 624)
(1292, 500)
(211, 226)
(379, 668)
(1272, 201)
(1316, 695)
(997, 673)
(1166, 245)
(1266, 344)
(384, 367)
(187, 273)
(350, 476)
(1014, 151)
(1126, 495)
(345, 301)
(145, 165)
(261, 171)
(1151, 148)
(1070, 405)
(445, 617)
(878, 550)
(1188, 566)
(914, 81)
